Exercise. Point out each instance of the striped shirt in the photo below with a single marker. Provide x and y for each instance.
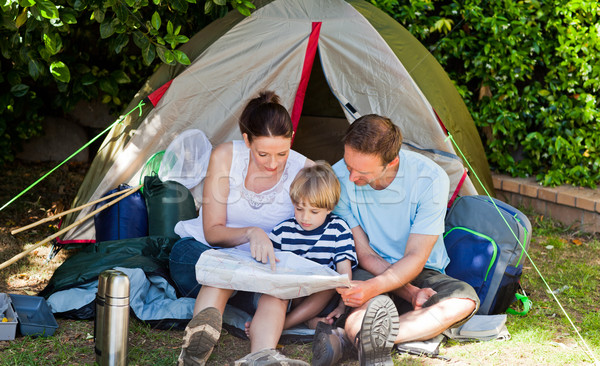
(328, 244)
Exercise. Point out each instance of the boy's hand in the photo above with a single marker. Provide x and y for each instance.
(336, 313)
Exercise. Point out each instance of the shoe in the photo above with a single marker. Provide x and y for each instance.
(330, 345)
(268, 357)
(201, 335)
(378, 332)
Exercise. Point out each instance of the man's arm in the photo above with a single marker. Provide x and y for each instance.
(389, 278)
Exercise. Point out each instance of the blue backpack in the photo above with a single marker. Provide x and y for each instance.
(483, 250)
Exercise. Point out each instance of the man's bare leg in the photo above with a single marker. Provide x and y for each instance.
(422, 324)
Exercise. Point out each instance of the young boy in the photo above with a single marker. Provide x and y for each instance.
(316, 234)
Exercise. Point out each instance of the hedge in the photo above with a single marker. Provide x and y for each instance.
(529, 74)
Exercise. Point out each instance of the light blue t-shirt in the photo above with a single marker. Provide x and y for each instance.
(415, 202)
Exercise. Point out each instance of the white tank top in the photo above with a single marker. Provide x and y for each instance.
(246, 208)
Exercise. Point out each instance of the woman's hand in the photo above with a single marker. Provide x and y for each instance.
(261, 247)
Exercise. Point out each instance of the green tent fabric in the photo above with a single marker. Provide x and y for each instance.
(330, 62)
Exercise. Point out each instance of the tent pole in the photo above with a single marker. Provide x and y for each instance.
(91, 214)
(61, 214)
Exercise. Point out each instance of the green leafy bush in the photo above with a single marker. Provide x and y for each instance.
(529, 74)
(55, 53)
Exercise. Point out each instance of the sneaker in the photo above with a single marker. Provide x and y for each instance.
(201, 336)
(378, 332)
(268, 357)
(330, 345)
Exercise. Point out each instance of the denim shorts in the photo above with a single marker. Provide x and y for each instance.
(182, 265)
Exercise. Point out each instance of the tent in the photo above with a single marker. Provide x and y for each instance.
(330, 61)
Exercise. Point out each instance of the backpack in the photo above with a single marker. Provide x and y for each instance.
(484, 252)
(126, 219)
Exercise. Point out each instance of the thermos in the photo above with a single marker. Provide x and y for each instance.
(112, 318)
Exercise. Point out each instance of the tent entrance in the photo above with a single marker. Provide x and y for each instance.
(322, 123)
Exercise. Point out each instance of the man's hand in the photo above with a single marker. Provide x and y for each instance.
(421, 297)
(357, 294)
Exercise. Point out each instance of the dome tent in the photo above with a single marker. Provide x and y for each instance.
(329, 61)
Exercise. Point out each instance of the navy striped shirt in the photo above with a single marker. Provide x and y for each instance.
(328, 244)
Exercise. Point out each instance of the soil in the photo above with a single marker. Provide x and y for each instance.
(52, 195)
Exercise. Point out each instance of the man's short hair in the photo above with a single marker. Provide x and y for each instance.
(316, 185)
(374, 135)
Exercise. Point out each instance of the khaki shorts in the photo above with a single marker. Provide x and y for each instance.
(445, 286)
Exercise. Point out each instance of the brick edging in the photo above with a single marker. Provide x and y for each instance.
(570, 205)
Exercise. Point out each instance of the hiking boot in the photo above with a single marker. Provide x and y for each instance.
(268, 357)
(378, 332)
(201, 335)
(330, 345)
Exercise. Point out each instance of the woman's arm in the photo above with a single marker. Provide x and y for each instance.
(214, 210)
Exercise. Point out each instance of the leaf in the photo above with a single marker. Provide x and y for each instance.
(577, 242)
(47, 9)
(106, 99)
(88, 79)
(53, 43)
(106, 29)
(179, 5)
(35, 69)
(21, 19)
(68, 16)
(120, 42)
(156, 21)
(109, 86)
(165, 55)
(248, 4)
(169, 27)
(140, 40)
(60, 71)
(120, 77)
(148, 54)
(19, 90)
(181, 57)
(208, 6)
(220, 2)
(244, 11)
(98, 15)
(26, 3)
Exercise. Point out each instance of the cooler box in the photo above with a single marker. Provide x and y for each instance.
(35, 317)
(8, 329)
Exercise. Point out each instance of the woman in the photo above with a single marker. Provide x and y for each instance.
(245, 195)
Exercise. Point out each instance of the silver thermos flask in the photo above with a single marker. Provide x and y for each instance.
(112, 318)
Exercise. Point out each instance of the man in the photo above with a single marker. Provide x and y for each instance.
(395, 203)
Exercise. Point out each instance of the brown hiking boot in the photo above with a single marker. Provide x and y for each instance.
(330, 345)
(378, 332)
(201, 335)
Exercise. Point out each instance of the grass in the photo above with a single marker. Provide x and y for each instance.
(565, 257)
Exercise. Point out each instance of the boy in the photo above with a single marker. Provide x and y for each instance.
(316, 234)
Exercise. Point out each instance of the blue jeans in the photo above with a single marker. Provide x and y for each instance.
(182, 263)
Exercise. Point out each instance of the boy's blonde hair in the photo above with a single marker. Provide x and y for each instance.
(316, 185)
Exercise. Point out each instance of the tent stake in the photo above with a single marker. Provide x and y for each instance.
(91, 214)
(61, 214)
